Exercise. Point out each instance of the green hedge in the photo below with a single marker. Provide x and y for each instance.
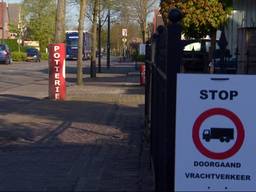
(21, 56)
(18, 56)
(12, 44)
(140, 58)
(44, 56)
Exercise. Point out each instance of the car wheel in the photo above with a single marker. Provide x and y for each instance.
(8, 61)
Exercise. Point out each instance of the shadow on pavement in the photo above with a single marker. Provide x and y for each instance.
(106, 166)
(71, 146)
(14, 102)
(88, 144)
(40, 121)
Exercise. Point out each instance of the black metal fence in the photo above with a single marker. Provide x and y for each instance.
(163, 61)
(165, 58)
(156, 103)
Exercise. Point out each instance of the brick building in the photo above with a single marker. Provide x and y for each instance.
(4, 21)
(10, 17)
(157, 20)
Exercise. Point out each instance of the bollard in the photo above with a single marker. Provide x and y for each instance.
(57, 82)
(142, 74)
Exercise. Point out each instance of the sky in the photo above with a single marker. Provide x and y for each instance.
(75, 18)
(13, 1)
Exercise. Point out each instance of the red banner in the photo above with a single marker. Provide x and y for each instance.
(57, 82)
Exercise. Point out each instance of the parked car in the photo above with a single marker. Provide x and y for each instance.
(196, 57)
(5, 54)
(33, 54)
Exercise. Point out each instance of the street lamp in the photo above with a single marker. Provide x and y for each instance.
(108, 40)
(99, 39)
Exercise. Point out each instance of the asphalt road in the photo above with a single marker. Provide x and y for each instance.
(19, 77)
(24, 78)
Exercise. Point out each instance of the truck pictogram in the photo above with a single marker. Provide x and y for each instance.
(223, 134)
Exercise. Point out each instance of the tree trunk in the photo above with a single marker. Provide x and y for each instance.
(83, 4)
(144, 9)
(93, 36)
(143, 31)
(60, 22)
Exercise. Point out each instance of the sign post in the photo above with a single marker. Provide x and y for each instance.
(215, 133)
(57, 83)
(142, 49)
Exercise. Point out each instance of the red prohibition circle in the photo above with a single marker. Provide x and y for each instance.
(239, 127)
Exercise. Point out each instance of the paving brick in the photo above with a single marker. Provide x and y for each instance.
(93, 141)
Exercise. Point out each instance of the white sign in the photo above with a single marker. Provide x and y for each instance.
(215, 133)
(19, 41)
(142, 49)
(32, 44)
(124, 39)
(124, 32)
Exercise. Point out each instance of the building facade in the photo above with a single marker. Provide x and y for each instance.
(243, 16)
(14, 15)
(10, 18)
(4, 21)
(157, 20)
(241, 35)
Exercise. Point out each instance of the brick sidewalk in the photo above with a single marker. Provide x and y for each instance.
(91, 142)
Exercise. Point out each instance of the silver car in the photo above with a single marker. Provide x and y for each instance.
(5, 54)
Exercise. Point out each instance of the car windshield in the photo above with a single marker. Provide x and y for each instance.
(2, 47)
(73, 42)
(193, 47)
(198, 46)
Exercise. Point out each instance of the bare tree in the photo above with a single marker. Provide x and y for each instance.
(83, 5)
(60, 22)
(93, 37)
(135, 10)
(141, 10)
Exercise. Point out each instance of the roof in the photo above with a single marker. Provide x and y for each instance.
(14, 13)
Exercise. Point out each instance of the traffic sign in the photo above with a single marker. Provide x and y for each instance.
(215, 133)
(124, 32)
(19, 41)
(222, 136)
